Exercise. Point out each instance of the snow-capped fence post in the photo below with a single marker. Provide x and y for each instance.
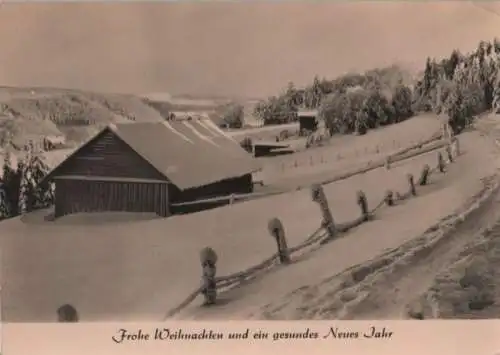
(318, 196)
(424, 176)
(67, 313)
(456, 143)
(411, 183)
(363, 204)
(208, 259)
(441, 163)
(276, 230)
(449, 153)
(389, 198)
(387, 163)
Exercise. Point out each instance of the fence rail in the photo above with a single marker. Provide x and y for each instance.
(327, 232)
(230, 198)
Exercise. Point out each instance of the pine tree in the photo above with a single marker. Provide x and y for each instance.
(23, 202)
(496, 45)
(11, 183)
(33, 193)
(451, 64)
(43, 193)
(496, 95)
(361, 123)
(4, 203)
(5, 209)
(402, 102)
(427, 76)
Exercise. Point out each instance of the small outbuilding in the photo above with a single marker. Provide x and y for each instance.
(148, 166)
(308, 120)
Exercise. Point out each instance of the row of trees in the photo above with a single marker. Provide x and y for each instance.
(361, 109)
(345, 102)
(461, 86)
(21, 187)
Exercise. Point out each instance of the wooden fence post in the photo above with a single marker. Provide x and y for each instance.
(424, 176)
(208, 259)
(456, 143)
(411, 183)
(318, 196)
(448, 152)
(441, 164)
(67, 314)
(444, 131)
(388, 163)
(363, 204)
(278, 232)
(388, 198)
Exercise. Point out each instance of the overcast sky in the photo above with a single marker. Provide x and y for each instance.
(230, 48)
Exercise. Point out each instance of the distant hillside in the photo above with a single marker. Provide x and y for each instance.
(215, 107)
(73, 116)
(216, 98)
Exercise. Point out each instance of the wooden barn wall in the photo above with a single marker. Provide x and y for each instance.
(262, 151)
(74, 196)
(239, 185)
(108, 156)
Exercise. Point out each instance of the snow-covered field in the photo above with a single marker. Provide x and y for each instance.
(345, 153)
(310, 289)
(139, 269)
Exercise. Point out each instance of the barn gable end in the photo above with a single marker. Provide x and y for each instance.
(107, 155)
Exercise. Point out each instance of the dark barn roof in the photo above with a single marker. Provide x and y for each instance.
(188, 153)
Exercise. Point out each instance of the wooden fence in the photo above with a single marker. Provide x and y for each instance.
(432, 143)
(326, 232)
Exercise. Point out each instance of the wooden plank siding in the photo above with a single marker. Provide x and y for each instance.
(238, 185)
(108, 156)
(108, 175)
(74, 196)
